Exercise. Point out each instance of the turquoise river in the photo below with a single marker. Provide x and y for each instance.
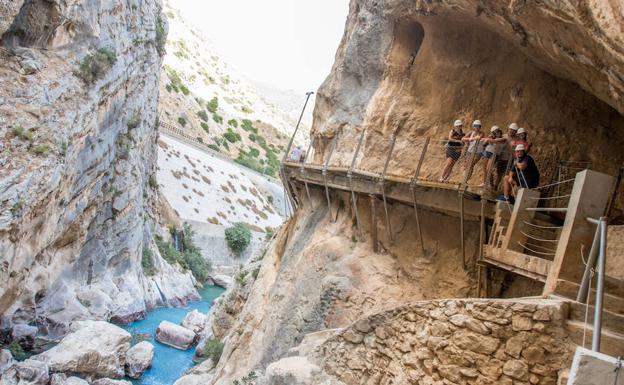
(169, 364)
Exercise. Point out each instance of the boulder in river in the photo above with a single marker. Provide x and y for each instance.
(28, 372)
(95, 349)
(194, 321)
(222, 280)
(138, 359)
(175, 335)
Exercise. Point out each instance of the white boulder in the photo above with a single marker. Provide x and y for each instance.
(94, 349)
(222, 280)
(108, 381)
(175, 335)
(138, 359)
(194, 321)
(6, 360)
(28, 372)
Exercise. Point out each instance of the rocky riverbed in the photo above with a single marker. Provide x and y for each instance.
(98, 352)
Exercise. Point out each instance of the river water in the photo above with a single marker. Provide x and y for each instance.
(169, 364)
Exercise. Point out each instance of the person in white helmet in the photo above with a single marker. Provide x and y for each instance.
(521, 138)
(523, 174)
(494, 145)
(503, 161)
(475, 146)
(453, 149)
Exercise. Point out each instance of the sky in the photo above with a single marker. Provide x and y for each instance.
(288, 44)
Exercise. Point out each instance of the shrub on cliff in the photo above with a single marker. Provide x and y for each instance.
(190, 258)
(217, 118)
(232, 136)
(147, 262)
(161, 36)
(95, 65)
(17, 351)
(212, 105)
(212, 350)
(202, 115)
(238, 238)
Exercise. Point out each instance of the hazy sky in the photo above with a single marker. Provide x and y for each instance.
(289, 44)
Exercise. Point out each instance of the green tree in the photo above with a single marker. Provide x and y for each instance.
(213, 105)
(238, 237)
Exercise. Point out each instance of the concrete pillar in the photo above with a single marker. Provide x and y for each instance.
(594, 368)
(589, 198)
(513, 236)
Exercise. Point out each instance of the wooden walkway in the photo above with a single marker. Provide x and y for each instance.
(447, 198)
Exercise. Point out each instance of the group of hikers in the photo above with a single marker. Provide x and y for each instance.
(506, 155)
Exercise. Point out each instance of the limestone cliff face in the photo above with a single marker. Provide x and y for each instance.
(411, 68)
(77, 162)
(556, 68)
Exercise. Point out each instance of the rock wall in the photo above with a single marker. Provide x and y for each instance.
(441, 342)
(316, 274)
(77, 161)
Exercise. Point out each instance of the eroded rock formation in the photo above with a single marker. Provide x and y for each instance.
(78, 110)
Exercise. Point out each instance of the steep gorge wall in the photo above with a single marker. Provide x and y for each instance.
(76, 159)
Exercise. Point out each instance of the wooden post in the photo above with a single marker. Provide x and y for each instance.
(373, 201)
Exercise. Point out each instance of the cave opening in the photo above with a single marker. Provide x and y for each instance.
(34, 26)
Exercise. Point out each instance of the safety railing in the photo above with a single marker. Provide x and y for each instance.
(597, 256)
(401, 158)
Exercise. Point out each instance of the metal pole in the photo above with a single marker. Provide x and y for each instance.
(461, 228)
(292, 138)
(602, 256)
(303, 171)
(373, 200)
(350, 176)
(470, 165)
(420, 233)
(591, 262)
(331, 151)
(420, 161)
(383, 186)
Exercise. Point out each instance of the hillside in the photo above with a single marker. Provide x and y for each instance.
(212, 194)
(201, 95)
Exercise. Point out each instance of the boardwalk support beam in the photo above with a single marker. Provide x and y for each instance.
(383, 187)
(331, 151)
(373, 202)
(350, 176)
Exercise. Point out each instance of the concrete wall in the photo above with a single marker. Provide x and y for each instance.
(211, 240)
